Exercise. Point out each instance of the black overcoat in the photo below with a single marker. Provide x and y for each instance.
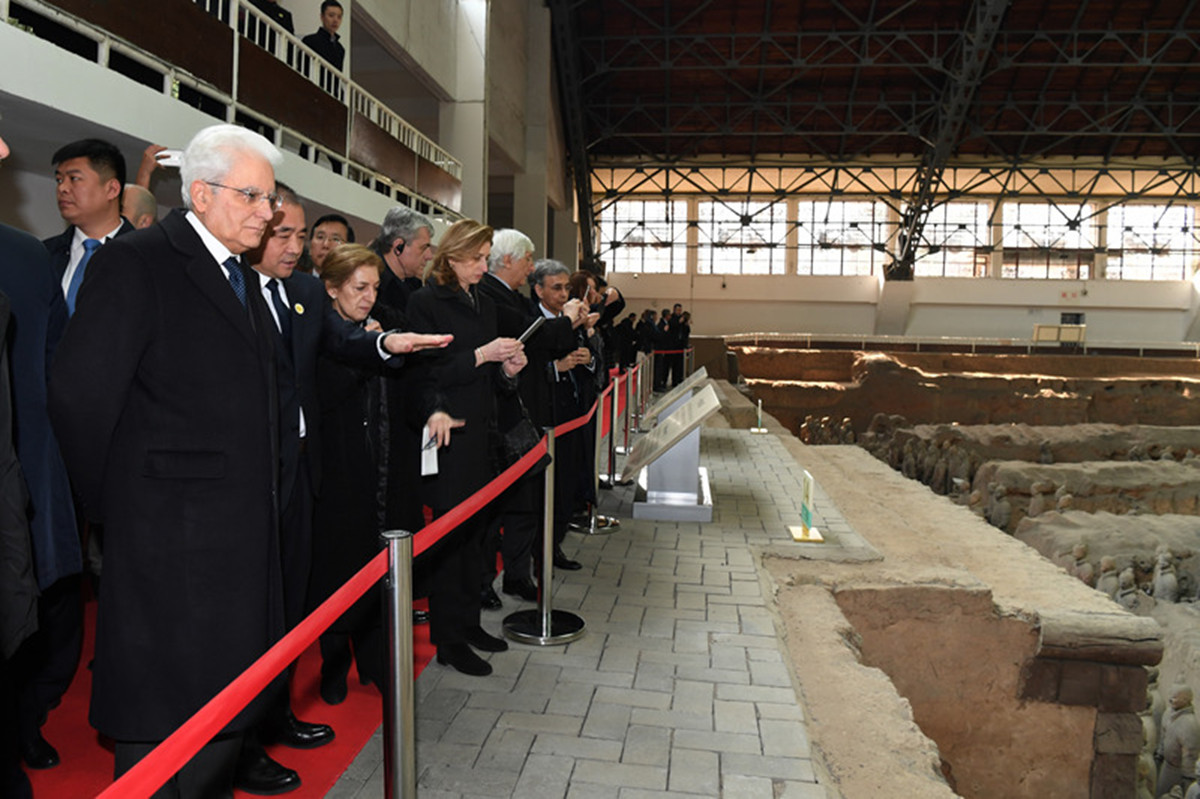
(164, 400)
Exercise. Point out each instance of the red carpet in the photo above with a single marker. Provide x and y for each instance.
(87, 764)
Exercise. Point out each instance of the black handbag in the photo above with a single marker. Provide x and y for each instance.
(519, 439)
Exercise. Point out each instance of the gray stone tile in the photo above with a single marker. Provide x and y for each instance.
(737, 717)
(784, 738)
(657, 700)
(607, 721)
(695, 771)
(784, 768)
(738, 786)
(718, 741)
(540, 722)
(672, 718)
(545, 777)
(647, 746)
(653, 778)
(578, 747)
(802, 790)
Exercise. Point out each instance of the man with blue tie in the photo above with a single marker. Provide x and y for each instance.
(89, 175)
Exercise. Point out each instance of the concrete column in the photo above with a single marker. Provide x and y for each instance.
(529, 185)
(463, 121)
(566, 237)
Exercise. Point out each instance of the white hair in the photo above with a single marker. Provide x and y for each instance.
(210, 154)
(507, 241)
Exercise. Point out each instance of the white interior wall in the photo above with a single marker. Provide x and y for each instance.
(1125, 311)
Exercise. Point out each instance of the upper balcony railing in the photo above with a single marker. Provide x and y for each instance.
(228, 59)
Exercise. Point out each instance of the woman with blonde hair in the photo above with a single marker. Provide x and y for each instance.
(458, 389)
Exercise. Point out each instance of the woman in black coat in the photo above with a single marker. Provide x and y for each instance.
(458, 387)
(346, 515)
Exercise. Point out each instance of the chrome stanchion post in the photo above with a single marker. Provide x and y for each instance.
(545, 626)
(627, 416)
(597, 523)
(613, 480)
(399, 729)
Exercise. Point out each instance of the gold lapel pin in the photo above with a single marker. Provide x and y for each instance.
(299, 308)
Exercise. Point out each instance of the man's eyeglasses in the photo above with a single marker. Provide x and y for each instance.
(253, 196)
(335, 239)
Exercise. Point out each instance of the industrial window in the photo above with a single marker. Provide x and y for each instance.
(837, 237)
(1048, 240)
(956, 242)
(645, 236)
(1151, 242)
(742, 237)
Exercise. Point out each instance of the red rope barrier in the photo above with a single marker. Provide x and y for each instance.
(149, 774)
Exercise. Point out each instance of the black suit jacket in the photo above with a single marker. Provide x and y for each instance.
(164, 399)
(554, 339)
(39, 316)
(60, 247)
(316, 329)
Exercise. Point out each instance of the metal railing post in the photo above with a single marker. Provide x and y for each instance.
(597, 523)
(545, 626)
(399, 728)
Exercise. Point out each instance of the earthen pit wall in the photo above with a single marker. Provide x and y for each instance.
(929, 388)
(961, 666)
(1065, 647)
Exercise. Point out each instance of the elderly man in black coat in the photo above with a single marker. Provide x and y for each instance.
(509, 265)
(163, 395)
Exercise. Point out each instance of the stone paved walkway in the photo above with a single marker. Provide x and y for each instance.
(680, 687)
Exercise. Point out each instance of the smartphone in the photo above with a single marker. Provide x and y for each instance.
(529, 331)
(169, 158)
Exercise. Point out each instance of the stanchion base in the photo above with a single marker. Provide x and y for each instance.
(600, 525)
(525, 627)
(607, 484)
(622, 450)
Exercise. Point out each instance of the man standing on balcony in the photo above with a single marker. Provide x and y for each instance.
(325, 40)
(276, 13)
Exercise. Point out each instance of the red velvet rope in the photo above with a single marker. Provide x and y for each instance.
(673, 352)
(149, 774)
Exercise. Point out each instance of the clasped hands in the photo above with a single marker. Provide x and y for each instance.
(576, 357)
(508, 352)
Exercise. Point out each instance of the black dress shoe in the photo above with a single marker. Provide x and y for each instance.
(333, 688)
(420, 616)
(38, 753)
(522, 587)
(561, 561)
(257, 773)
(299, 734)
(488, 599)
(460, 657)
(480, 639)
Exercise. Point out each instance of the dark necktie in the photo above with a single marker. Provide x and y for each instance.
(236, 278)
(281, 310)
(89, 248)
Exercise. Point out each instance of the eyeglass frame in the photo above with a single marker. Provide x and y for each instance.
(253, 196)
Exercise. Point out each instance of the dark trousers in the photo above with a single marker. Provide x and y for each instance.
(368, 653)
(660, 371)
(208, 775)
(674, 365)
(512, 534)
(45, 663)
(13, 782)
(454, 581)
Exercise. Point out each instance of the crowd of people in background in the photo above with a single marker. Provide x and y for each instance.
(243, 399)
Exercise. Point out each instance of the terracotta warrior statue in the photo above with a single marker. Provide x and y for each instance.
(1180, 745)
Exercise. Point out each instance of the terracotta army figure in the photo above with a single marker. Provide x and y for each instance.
(1037, 498)
(1108, 582)
(1166, 584)
(1128, 595)
(1193, 791)
(1180, 745)
(1001, 511)
(1083, 569)
(1045, 454)
(1063, 499)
